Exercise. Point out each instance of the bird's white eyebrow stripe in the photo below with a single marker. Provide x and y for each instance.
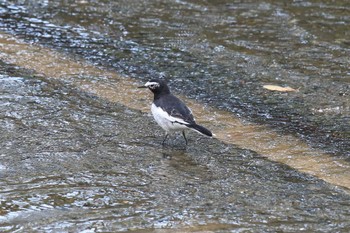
(151, 83)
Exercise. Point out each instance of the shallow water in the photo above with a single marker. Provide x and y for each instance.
(110, 86)
(219, 52)
(77, 154)
(69, 170)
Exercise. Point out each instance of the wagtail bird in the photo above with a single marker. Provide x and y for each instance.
(170, 112)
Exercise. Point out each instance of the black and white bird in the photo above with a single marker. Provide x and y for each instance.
(170, 112)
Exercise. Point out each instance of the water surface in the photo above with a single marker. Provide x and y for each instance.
(79, 151)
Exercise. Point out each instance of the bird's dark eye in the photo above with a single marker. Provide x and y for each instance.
(152, 85)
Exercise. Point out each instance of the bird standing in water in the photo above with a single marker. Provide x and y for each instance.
(170, 112)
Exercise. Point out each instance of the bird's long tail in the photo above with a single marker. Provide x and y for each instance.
(200, 129)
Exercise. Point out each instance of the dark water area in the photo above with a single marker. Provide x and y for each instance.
(71, 161)
(217, 52)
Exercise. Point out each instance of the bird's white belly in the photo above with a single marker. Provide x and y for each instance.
(167, 122)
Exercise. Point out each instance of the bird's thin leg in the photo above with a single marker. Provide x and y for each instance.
(166, 136)
(183, 134)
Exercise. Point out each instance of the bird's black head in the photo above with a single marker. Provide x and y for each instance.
(157, 86)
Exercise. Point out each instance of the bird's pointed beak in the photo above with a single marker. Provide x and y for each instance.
(142, 86)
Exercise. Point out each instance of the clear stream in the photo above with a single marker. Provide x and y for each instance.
(72, 161)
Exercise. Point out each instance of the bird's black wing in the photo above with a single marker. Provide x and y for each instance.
(175, 108)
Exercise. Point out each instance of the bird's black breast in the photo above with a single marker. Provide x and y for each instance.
(174, 107)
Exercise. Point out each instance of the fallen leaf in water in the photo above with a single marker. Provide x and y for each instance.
(278, 88)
